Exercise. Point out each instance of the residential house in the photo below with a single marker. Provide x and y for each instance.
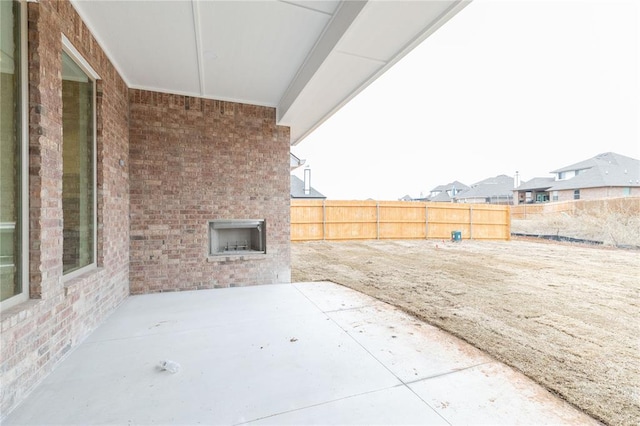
(606, 175)
(295, 162)
(494, 190)
(447, 193)
(301, 190)
(535, 190)
(137, 136)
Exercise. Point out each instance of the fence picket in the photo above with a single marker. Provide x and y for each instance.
(347, 220)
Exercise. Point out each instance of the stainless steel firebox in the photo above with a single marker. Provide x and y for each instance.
(237, 237)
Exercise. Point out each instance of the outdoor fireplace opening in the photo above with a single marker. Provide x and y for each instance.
(237, 237)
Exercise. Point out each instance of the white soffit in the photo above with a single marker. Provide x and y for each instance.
(307, 58)
(381, 34)
(151, 43)
(264, 41)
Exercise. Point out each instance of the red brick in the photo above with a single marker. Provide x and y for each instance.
(106, 287)
(185, 161)
(195, 160)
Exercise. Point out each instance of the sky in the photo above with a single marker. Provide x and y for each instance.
(504, 86)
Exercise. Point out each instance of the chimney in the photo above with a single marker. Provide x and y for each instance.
(516, 180)
(307, 181)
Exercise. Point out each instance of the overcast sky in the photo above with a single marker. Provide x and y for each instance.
(505, 86)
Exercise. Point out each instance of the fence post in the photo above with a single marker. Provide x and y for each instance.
(426, 221)
(470, 221)
(377, 220)
(324, 220)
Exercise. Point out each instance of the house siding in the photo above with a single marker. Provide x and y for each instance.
(196, 160)
(36, 334)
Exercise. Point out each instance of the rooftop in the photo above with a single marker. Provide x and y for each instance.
(458, 186)
(297, 189)
(498, 186)
(536, 183)
(604, 170)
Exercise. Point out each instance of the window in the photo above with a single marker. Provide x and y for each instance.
(528, 196)
(626, 192)
(78, 164)
(13, 183)
(542, 197)
(555, 196)
(576, 194)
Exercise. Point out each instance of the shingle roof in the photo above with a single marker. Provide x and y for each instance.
(498, 186)
(441, 197)
(294, 161)
(600, 159)
(537, 183)
(459, 186)
(604, 170)
(297, 189)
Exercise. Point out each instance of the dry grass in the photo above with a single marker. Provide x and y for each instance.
(615, 223)
(565, 315)
(615, 230)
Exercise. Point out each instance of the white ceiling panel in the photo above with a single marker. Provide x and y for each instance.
(269, 43)
(404, 20)
(381, 34)
(326, 6)
(326, 90)
(306, 58)
(151, 42)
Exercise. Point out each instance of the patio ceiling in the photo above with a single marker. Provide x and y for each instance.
(305, 58)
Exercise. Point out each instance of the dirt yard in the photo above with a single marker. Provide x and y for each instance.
(568, 316)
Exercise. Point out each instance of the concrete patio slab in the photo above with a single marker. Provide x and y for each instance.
(307, 353)
(393, 406)
(494, 394)
(411, 349)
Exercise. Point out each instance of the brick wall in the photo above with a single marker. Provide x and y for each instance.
(195, 160)
(598, 193)
(38, 333)
(190, 161)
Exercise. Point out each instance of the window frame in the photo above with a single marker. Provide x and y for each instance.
(23, 263)
(576, 194)
(72, 52)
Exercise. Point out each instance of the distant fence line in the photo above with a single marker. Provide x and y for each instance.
(599, 206)
(370, 220)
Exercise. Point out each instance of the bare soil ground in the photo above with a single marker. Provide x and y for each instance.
(568, 316)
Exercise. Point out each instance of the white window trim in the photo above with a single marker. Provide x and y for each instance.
(73, 53)
(78, 58)
(23, 296)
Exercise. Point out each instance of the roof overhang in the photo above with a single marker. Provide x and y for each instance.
(295, 162)
(305, 58)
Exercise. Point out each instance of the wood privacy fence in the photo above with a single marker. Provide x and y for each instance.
(370, 220)
(600, 206)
